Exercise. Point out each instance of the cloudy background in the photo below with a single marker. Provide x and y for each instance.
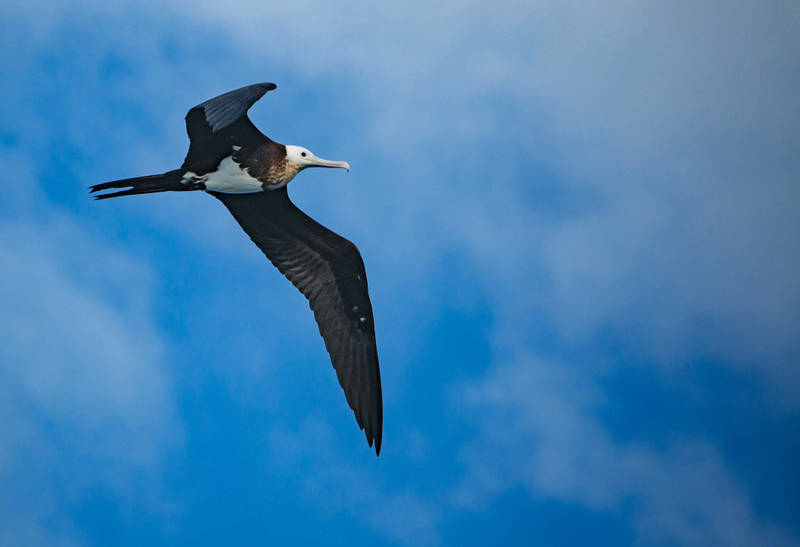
(580, 225)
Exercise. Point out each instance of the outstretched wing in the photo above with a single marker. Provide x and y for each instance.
(329, 271)
(223, 110)
(218, 124)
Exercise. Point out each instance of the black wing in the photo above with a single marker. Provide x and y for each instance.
(329, 271)
(217, 124)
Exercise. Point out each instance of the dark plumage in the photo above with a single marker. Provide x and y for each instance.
(233, 161)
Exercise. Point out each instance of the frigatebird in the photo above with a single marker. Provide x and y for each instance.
(233, 161)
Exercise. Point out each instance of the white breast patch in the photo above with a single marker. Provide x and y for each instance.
(230, 178)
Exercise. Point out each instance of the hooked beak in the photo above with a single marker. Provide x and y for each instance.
(314, 161)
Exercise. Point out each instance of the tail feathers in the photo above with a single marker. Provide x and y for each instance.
(171, 180)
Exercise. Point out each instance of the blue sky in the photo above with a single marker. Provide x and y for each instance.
(579, 222)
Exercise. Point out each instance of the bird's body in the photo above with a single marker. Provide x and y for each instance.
(232, 160)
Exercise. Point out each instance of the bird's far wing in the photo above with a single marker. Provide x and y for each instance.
(216, 124)
(329, 271)
(223, 110)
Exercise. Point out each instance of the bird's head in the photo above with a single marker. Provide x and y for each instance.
(302, 157)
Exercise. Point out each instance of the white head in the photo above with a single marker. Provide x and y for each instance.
(302, 158)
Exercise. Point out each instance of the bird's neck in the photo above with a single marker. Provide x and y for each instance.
(281, 172)
(269, 164)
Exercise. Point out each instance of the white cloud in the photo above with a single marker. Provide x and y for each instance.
(667, 129)
(535, 428)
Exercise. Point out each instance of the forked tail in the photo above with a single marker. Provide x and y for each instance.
(171, 180)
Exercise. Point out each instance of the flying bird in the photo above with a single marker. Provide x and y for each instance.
(233, 161)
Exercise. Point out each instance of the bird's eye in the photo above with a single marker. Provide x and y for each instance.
(303, 154)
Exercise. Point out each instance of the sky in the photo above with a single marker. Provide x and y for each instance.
(579, 222)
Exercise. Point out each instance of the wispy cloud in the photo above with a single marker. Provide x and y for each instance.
(673, 172)
(536, 428)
